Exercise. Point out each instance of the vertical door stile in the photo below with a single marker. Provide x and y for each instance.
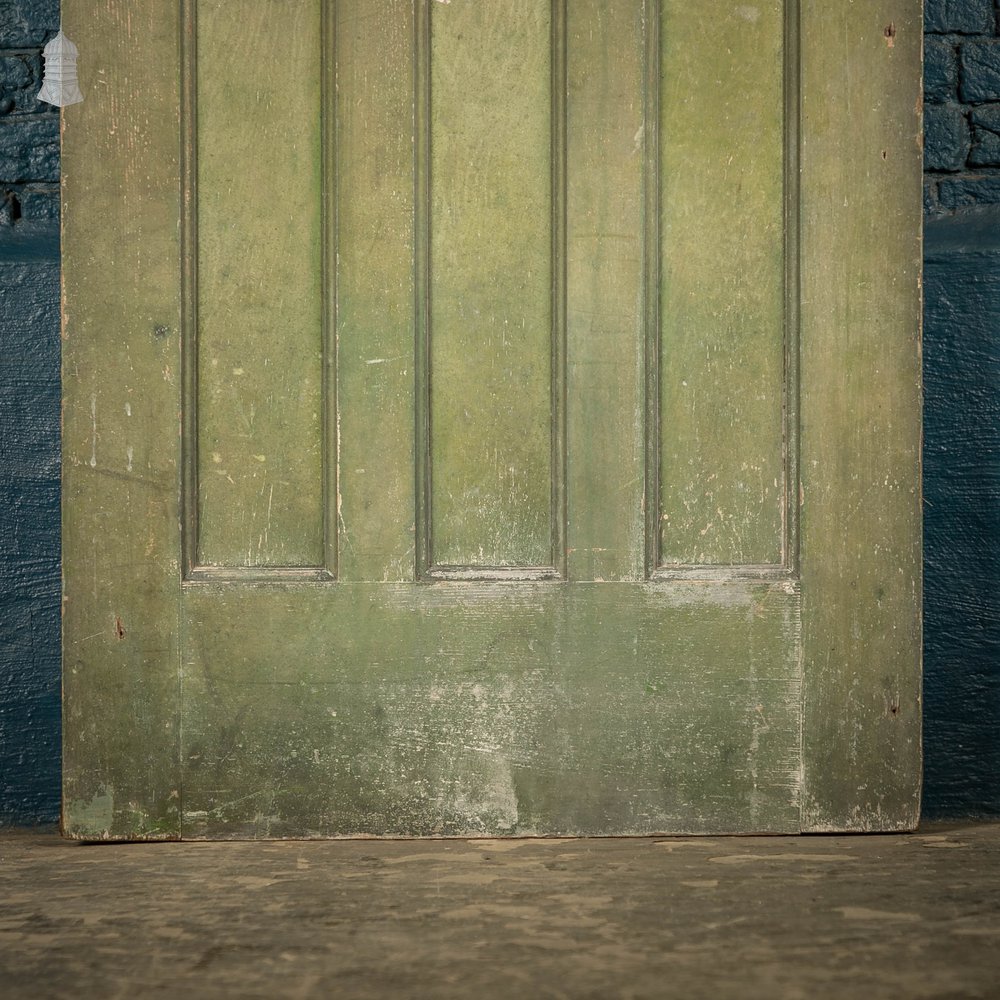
(607, 259)
(374, 127)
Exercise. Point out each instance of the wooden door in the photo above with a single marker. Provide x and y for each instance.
(491, 417)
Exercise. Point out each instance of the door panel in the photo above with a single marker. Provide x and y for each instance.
(722, 301)
(688, 266)
(258, 285)
(493, 223)
(491, 709)
(487, 440)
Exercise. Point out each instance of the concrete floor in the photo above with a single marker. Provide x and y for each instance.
(780, 917)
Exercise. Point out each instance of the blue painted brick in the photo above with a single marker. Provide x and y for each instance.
(39, 205)
(20, 80)
(969, 190)
(967, 17)
(940, 70)
(29, 148)
(980, 61)
(931, 206)
(946, 137)
(27, 23)
(985, 122)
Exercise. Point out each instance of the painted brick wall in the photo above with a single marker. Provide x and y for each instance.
(962, 104)
(962, 422)
(29, 130)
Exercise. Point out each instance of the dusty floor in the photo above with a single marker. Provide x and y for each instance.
(861, 917)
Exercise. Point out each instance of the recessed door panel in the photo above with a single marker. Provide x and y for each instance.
(723, 333)
(256, 285)
(493, 228)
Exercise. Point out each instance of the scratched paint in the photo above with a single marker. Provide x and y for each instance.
(489, 710)
(722, 285)
(491, 274)
(260, 299)
(602, 703)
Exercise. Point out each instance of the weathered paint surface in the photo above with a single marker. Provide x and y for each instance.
(259, 284)
(29, 421)
(506, 709)
(246, 701)
(860, 412)
(121, 401)
(494, 259)
(723, 297)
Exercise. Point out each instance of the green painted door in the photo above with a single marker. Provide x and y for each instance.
(491, 417)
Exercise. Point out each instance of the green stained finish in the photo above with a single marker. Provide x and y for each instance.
(722, 293)
(121, 398)
(491, 709)
(604, 289)
(491, 283)
(259, 284)
(375, 289)
(861, 259)
(256, 699)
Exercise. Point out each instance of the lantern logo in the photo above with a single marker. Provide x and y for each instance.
(59, 84)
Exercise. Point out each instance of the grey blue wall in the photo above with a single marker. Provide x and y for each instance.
(962, 514)
(962, 408)
(962, 418)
